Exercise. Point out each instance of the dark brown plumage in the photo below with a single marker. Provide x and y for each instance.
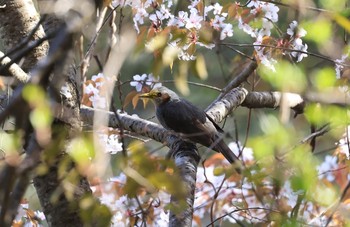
(193, 123)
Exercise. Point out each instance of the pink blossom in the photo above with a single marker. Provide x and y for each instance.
(194, 21)
(226, 31)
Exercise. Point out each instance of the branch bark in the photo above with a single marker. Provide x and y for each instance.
(14, 70)
(17, 19)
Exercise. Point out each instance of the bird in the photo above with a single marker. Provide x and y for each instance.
(192, 123)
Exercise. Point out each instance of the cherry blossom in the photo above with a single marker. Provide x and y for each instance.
(218, 21)
(93, 91)
(296, 33)
(194, 20)
(300, 55)
(139, 17)
(271, 11)
(139, 81)
(247, 153)
(254, 3)
(338, 64)
(65, 91)
(227, 31)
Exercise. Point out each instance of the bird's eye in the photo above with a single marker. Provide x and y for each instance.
(159, 94)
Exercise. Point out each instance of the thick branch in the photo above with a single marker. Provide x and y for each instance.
(220, 109)
(14, 70)
(237, 81)
(65, 209)
(17, 20)
(186, 159)
(273, 100)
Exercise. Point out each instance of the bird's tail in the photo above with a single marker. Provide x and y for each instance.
(225, 150)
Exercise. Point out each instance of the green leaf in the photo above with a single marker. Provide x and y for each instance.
(33, 94)
(319, 114)
(334, 5)
(324, 78)
(81, 149)
(91, 211)
(41, 117)
(288, 77)
(318, 31)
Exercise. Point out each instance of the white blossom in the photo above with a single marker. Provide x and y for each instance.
(300, 55)
(338, 66)
(194, 20)
(139, 17)
(65, 91)
(218, 21)
(217, 8)
(226, 31)
(138, 81)
(247, 153)
(271, 11)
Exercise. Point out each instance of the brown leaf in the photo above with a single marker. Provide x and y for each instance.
(197, 219)
(129, 97)
(135, 100)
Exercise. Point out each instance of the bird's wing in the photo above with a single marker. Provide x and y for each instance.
(181, 116)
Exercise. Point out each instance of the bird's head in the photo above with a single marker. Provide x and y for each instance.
(160, 95)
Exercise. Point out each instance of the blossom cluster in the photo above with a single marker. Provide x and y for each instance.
(28, 217)
(145, 79)
(258, 22)
(189, 21)
(234, 200)
(110, 140)
(339, 67)
(124, 208)
(95, 96)
(94, 92)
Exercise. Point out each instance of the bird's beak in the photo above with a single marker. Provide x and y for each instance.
(146, 95)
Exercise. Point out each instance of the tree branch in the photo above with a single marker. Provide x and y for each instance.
(237, 81)
(273, 100)
(14, 70)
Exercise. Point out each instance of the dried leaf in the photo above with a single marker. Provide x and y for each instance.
(129, 97)
(197, 219)
(135, 100)
(215, 159)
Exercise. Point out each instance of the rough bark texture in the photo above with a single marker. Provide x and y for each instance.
(14, 70)
(186, 159)
(220, 109)
(273, 100)
(17, 20)
(60, 212)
